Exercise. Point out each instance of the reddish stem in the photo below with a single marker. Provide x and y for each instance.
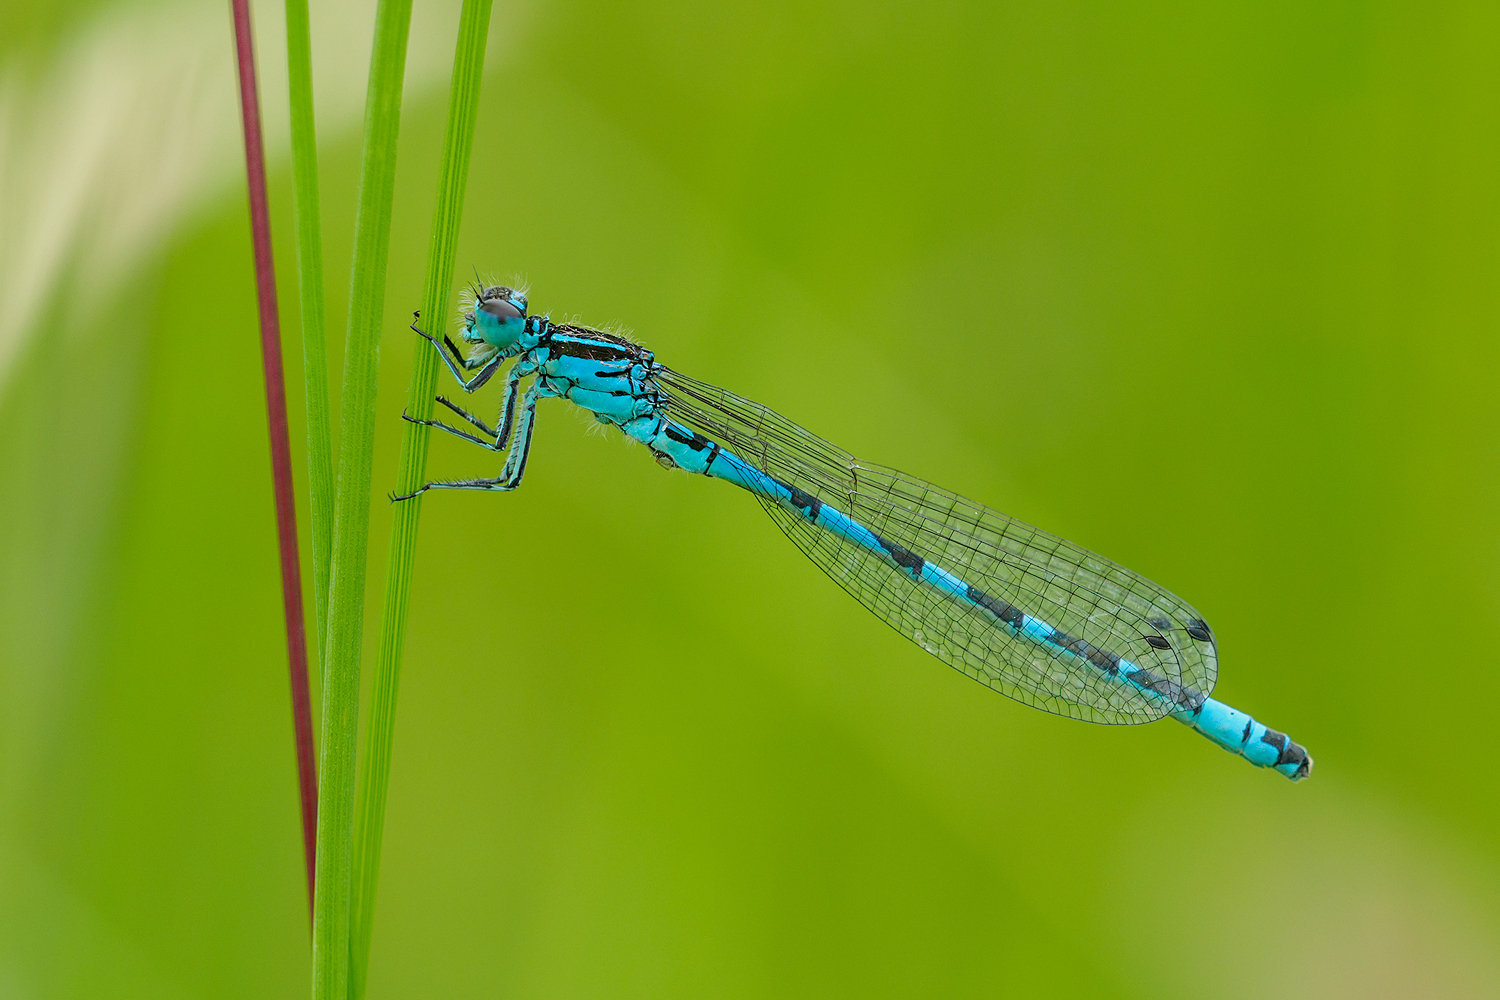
(281, 451)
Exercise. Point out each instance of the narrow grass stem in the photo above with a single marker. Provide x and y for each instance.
(463, 107)
(305, 203)
(351, 515)
(281, 451)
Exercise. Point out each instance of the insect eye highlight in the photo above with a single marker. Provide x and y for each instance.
(500, 309)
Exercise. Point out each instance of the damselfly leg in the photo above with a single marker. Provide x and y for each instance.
(456, 362)
(515, 461)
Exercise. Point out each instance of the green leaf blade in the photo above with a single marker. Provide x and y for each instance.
(468, 73)
(351, 515)
(306, 206)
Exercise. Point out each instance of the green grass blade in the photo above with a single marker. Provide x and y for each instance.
(351, 514)
(305, 205)
(463, 106)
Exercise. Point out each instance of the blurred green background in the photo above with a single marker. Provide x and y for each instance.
(1213, 292)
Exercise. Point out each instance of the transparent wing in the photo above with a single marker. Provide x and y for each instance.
(1093, 600)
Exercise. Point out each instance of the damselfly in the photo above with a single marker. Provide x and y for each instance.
(1024, 612)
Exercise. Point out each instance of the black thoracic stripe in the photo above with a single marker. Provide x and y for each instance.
(1246, 734)
(592, 352)
(709, 462)
(589, 333)
(591, 345)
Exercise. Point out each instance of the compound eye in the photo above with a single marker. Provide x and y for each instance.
(500, 309)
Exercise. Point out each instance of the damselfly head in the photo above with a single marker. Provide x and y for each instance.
(497, 318)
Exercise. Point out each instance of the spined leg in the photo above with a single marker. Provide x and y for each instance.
(515, 462)
(507, 411)
(469, 417)
(507, 418)
(456, 362)
(449, 428)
